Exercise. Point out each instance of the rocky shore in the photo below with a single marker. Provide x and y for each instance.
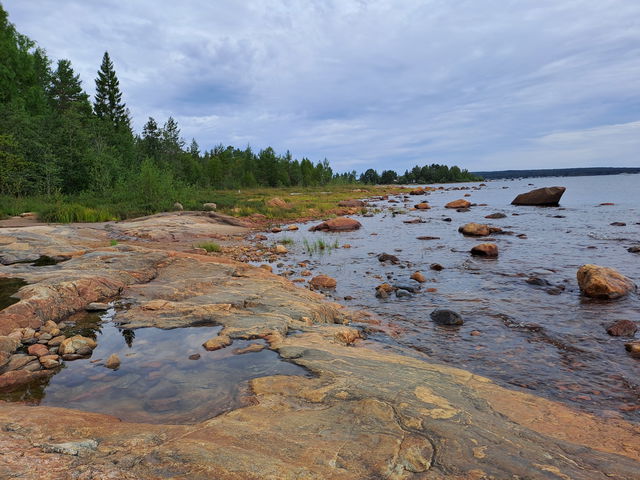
(361, 413)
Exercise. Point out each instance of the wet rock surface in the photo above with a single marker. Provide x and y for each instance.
(340, 224)
(407, 418)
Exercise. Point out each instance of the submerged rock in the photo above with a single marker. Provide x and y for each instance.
(446, 317)
(622, 328)
(547, 196)
(384, 290)
(496, 215)
(386, 257)
(603, 282)
(113, 362)
(339, 224)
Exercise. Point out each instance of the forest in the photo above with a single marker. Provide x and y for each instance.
(59, 146)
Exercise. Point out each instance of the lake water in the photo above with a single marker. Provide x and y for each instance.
(547, 340)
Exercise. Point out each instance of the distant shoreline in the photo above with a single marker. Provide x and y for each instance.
(556, 172)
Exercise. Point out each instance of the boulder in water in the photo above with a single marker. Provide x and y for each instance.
(323, 282)
(547, 196)
(446, 317)
(485, 250)
(622, 328)
(461, 203)
(603, 282)
(339, 224)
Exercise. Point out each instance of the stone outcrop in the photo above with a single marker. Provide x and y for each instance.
(363, 412)
(339, 224)
(547, 196)
(603, 282)
(323, 282)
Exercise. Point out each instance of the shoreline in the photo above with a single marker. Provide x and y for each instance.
(400, 417)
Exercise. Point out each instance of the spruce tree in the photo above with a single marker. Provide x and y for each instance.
(108, 104)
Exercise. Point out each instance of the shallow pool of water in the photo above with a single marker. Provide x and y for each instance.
(157, 381)
(8, 288)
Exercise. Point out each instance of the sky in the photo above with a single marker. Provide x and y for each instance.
(384, 84)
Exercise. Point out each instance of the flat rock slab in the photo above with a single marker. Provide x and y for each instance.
(365, 414)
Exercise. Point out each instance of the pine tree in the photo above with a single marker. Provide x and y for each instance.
(66, 90)
(108, 102)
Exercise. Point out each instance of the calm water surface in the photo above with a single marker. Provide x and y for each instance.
(549, 340)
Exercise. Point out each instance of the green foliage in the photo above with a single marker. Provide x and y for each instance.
(319, 246)
(113, 243)
(286, 241)
(210, 246)
(72, 213)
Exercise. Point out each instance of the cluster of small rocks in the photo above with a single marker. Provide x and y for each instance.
(28, 350)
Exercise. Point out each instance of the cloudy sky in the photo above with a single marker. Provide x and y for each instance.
(484, 84)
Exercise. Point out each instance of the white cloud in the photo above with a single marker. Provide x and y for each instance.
(364, 83)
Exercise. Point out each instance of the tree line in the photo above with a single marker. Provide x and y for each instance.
(55, 140)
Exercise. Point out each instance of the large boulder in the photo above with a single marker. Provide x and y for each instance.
(547, 196)
(603, 282)
(461, 203)
(339, 224)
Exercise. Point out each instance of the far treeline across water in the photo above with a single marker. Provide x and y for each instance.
(557, 172)
(59, 146)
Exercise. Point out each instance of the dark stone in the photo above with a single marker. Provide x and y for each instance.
(447, 219)
(426, 237)
(546, 196)
(195, 356)
(436, 266)
(462, 210)
(622, 328)
(446, 317)
(407, 288)
(402, 293)
(496, 215)
(618, 224)
(538, 282)
(634, 249)
(386, 257)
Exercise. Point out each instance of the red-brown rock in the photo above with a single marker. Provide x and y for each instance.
(461, 203)
(38, 350)
(603, 282)
(339, 224)
(475, 230)
(323, 282)
(622, 328)
(423, 206)
(485, 250)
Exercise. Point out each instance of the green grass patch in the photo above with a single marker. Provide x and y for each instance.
(210, 246)
(319, 245)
